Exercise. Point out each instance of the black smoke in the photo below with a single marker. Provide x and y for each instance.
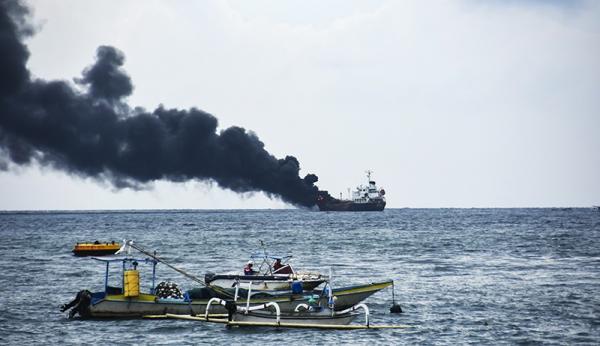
(88, 129)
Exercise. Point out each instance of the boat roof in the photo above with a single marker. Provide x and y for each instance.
(124, 259)
(276, 256)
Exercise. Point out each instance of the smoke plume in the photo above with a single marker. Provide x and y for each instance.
(90, 130)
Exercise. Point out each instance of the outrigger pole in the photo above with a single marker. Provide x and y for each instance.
(158, 259)
(276, 324)
(180, 271)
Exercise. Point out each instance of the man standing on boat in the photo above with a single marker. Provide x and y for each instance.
(248, 268)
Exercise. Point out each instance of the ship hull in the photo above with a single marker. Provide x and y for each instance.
(339, 205)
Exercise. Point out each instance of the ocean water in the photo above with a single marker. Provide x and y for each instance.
(463, 276)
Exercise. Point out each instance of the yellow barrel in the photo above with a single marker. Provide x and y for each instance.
(131, 282)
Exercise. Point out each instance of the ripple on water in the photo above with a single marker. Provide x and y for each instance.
(466, 276)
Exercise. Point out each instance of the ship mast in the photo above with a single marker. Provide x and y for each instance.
(369, 174)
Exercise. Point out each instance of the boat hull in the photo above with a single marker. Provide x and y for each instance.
(262, 283)
(306, 318)
(93, 249)
(83, 253)
(339, 205)
(118, 306)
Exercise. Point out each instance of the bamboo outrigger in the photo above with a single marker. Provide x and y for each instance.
(228, 323)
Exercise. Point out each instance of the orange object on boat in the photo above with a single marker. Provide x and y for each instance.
(96, 249)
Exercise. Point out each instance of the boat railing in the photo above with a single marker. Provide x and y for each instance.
(210, 301)
(249, 295)
(237, 285)
(304, 306)
(246, 309)
(266, 306)
(237, 290)
(356, 307)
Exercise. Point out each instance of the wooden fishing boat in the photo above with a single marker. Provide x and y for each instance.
(116, 305)
(96, 248)
(129, 302)
(268, 277)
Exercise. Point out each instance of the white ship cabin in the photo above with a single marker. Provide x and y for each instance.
(367, 194)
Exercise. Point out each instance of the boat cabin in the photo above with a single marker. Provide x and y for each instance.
(130, 277)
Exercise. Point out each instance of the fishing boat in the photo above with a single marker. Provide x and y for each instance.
(96, 249)
(268, 277)
(127, 299)
(313, 314)
(364, 198)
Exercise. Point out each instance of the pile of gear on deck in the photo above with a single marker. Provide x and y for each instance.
(168, 289)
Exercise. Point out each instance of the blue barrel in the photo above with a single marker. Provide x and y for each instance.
(296, 287)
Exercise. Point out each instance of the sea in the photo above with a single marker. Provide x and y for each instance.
(462, 276)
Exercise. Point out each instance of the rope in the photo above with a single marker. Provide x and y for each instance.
(181, 271)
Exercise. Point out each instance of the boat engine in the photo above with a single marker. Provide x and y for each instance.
(80, 305)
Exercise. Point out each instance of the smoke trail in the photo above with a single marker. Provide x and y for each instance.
(92, 132)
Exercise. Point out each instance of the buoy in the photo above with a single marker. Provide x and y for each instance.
(395, 309)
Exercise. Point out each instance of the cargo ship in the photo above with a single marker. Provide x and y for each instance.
(364, 198)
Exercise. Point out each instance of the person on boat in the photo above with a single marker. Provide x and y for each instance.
(248, 268)
(280, 268)
(277, 265)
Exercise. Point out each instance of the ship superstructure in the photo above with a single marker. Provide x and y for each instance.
(364, 198)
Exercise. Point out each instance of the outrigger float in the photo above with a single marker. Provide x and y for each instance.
(128, 301)
(280, 324)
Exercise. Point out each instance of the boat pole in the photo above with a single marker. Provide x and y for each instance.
(395, 309)
(180, 271)
(106, 279)
(153, 275)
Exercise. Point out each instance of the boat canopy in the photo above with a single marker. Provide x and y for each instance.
(124, 260)
(275, 257)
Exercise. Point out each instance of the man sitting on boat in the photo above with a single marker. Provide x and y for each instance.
(248, 268)
(280, 268)
(277, 265)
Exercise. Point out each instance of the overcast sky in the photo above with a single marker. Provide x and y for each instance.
(451, 103)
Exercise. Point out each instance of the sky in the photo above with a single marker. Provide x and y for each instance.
(451, 103)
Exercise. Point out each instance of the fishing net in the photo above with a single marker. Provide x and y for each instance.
(167, 289)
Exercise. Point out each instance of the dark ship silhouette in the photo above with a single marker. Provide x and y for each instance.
(364, 198)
